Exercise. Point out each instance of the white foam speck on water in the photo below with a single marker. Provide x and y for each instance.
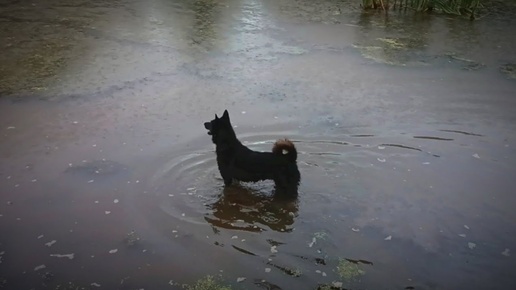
(11, 128)
(472, 245)
(476, 156)
(234, 237)
(115, 201)
(96, 201)
(243, 112)
(69, 256)
(113, 251)
(388, 238)
(506, 253)
(267, 270)
(466, 227)
(462, 235)
(40, 236)
(311, 244)
(90, 181)
(274, 249)
(37, 268)
(240, 279)
(355, 230)
(95, 284)
(381, 159)
(34, 180)
(426, 163)
(107, 212)
(49, 244)
(381, 147)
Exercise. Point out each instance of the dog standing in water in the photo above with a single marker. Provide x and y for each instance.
(236, 161)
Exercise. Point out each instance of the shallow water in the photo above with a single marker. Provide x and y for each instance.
(404, 126)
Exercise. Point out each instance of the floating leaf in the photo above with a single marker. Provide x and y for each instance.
(506, 252)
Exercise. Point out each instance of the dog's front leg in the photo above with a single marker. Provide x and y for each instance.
(228, 181)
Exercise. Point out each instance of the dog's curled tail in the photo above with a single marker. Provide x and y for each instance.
(285, 147)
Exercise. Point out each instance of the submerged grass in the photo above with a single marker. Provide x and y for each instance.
(456, 7)
(208, 283)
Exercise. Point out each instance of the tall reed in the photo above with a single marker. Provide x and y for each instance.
(457, 7)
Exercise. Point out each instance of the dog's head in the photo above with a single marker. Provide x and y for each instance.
(219, 127)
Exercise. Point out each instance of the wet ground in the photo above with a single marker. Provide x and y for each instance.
(405, 127)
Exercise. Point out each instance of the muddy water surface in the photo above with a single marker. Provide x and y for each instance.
(404, 126)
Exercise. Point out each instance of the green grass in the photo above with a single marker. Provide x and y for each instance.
(456, 7)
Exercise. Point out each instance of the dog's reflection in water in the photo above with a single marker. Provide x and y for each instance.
(243, 208)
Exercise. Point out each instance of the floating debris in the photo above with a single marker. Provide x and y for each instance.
(69, 256)
(472, 245)
(95, 284)
(37, 268)
(240, 279)
(234, 237)
(267, 270)
(509, 70)
(388, 238)
(113, 251)
(49, 244)
(274, 249)
(506, 253)
(311, 244)
(132, 238)
(355, 230)
(476, 156)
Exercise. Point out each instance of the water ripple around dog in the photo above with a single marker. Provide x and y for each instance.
(186, 183)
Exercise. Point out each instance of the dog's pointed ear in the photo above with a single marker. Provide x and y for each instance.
(225, 115)
(216, 117)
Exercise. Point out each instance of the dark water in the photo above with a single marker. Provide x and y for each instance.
(405, 127)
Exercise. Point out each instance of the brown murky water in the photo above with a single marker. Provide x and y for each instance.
(405, 127)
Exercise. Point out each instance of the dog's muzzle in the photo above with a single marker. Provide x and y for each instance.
(207, 125)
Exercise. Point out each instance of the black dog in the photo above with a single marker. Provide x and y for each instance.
(236, 161)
